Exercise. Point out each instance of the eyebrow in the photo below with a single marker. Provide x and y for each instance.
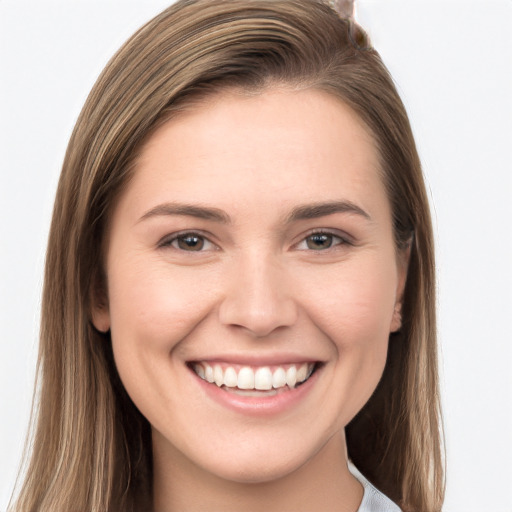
(188, 210)
(303, 212)
(313, 211)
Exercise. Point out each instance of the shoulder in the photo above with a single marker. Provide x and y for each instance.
(373, 499)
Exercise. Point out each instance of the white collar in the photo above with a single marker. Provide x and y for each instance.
(373, 499)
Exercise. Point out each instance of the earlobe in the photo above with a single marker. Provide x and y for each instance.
(396, 321)
(403, 265)
(101, 317)
(100, 313)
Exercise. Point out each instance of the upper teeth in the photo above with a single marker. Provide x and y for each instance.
(261, 378)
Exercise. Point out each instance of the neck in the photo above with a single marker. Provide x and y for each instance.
(322, 483)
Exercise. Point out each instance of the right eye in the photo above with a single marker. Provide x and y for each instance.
(190, 242)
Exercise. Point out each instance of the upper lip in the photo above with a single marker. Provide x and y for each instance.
(256, 360)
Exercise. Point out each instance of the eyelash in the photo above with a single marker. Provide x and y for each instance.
(342, 240)
(177, 237)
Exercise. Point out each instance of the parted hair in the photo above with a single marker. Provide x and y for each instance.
(90, 448)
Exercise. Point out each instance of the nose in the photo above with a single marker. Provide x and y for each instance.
(259, 297)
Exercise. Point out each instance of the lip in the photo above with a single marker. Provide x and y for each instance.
(258, 360)
(258, 406)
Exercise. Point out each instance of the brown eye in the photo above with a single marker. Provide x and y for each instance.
(320, 241)
(189, 242)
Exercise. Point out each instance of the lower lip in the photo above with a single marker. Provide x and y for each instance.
(258, 405)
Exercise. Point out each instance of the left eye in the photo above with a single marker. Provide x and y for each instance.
(320, 242)
(191, 242)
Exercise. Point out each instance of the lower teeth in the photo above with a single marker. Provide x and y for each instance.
(258, 392)
(252, 392)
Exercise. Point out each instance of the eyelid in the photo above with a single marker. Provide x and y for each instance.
(345, 238)
(167, 240)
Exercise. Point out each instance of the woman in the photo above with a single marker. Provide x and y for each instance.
(239, 291)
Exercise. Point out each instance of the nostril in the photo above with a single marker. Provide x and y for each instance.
(259, 295)
(259, 319)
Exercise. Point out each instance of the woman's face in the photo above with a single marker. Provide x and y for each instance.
(254, 248)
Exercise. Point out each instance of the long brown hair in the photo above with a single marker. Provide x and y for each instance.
(91, 447)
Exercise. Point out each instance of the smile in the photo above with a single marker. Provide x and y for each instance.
(249, 379)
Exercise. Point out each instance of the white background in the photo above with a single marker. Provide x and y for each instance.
(452, 61)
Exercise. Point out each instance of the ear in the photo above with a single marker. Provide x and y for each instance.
(402, 266)
(100, 313)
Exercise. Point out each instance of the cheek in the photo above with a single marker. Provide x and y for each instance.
(354, 312)
(152, 309)
(355, 306)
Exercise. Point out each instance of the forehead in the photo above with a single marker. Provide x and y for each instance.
(279, 145)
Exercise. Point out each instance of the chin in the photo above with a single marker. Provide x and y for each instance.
(257, 470)
(267, 460)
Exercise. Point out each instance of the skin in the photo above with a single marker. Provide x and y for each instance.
(259, 287)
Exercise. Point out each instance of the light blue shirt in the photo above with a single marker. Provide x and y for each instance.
(373, 499)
